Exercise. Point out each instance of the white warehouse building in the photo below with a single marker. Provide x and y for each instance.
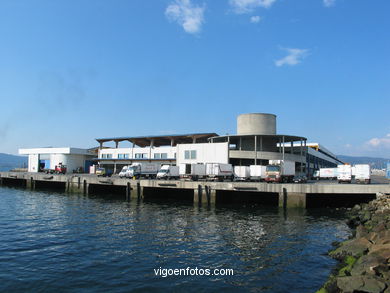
(255, 143)
(48, 158)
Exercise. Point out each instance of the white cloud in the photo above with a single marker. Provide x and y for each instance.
(329, 3)
(189, 16)
(294, 57)
(383, 142)
(246, 6)
(255, 19)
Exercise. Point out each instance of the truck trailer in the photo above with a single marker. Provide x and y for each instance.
(192, 171)
(280, 171)
(242, 173)
(344, 173)
(257, 172)
(140, 170)
(219, 171)
(168, 172)
(363, 173)
(328, 173)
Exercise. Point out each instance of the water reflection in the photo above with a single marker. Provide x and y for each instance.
(55, 241)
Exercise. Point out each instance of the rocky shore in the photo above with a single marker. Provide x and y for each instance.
(365, 258)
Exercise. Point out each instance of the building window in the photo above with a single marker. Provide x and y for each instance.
(164, 156)
(190, 155)
(193, 154)
(106, 156)
(141, 156)
(157, 156)
(123, 156)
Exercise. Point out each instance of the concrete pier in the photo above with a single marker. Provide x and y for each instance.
(204, 192)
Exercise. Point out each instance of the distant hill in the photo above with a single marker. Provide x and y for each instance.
(376, 163)
(8, 162)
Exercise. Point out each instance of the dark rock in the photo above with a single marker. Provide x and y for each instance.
(354, 247)
(367, 264)
(383, 250)
(372, 285)
(360, 284)
(349, 284)
(361, 231)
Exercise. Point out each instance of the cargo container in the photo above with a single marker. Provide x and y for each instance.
(140, 170)
(280, 171)
(241, 173)
(219, 171)
(192, 171)
(257, 172)
(344, 173)
(363, 173)
(168, 172)
(328, 173)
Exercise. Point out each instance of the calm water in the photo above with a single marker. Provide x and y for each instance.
(56, 242)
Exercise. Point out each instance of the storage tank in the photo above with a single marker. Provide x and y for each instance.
(256, 123)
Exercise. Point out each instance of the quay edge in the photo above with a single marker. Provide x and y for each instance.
(205, 192)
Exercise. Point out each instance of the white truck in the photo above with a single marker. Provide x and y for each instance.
(192, 171)
(168, 172)
(219, 171)
(328, 173)
(242, 173)
(344, 173)
(280, 171)
(363, 173)
(257, 172)
(140, 170)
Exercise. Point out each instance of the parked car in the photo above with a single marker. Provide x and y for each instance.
(102, 172)
(300, 179)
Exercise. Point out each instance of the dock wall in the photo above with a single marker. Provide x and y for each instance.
(203, 192)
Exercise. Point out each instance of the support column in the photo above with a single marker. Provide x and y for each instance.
(292, 199)
(136, 191)
(150, 148)
(30, 184)
(211, 195)
(85, 188)
(283, 148)
(255, 149)
(128, 191)
(198, 194)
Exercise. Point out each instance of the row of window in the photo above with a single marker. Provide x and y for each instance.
(137, 156)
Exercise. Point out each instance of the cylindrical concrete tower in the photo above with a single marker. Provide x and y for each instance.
(256, 123)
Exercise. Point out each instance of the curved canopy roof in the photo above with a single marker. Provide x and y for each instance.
(286, 137)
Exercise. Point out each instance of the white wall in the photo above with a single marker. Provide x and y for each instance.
(33, 163)
(72, 162)
(205, 153)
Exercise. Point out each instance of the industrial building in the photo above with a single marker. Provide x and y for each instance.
(48, 158)
(255, 143)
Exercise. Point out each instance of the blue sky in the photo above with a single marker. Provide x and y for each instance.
(75, 70)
